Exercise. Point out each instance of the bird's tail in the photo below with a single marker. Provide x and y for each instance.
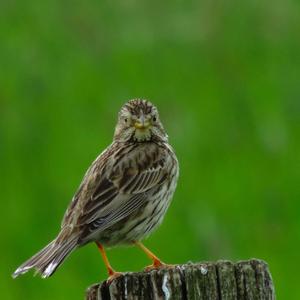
(49, 258)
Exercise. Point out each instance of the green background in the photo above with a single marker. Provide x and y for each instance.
(225, 76)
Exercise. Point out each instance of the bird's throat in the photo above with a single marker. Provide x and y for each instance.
(142, 135)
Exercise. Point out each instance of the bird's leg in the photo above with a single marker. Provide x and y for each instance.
(157, 263)
(112, 274)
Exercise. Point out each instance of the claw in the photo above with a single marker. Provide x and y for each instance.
(157, 264)
(113, 276)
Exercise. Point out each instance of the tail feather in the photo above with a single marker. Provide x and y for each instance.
(48, 259)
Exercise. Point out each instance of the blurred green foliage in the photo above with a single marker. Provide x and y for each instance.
(225, 76)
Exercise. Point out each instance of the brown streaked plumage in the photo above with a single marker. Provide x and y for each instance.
(124, 194)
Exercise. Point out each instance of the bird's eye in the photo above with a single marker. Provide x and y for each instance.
(154, 119)
(125, 120)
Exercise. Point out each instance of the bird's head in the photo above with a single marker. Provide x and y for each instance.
(139, 121)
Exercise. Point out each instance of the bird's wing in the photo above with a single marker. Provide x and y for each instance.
(86, 188)
(128, 186)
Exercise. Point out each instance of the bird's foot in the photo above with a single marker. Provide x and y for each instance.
(157, 264)
(113, 276)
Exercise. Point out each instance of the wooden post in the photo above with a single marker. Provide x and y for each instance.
(221, 280)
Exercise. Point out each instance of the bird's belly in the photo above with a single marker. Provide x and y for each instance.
(141, 223)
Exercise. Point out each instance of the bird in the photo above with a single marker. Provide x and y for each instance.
(123, 197)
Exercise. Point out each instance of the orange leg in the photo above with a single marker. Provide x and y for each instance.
(111, 272)
(157, 263)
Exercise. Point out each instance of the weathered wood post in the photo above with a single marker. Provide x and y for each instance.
(221, 280)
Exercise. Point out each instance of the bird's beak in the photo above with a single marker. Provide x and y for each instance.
(141, 123)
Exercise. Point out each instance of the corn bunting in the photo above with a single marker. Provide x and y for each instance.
(123, 196)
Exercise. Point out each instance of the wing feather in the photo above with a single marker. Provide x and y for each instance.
(124, 211)
(123, 185)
